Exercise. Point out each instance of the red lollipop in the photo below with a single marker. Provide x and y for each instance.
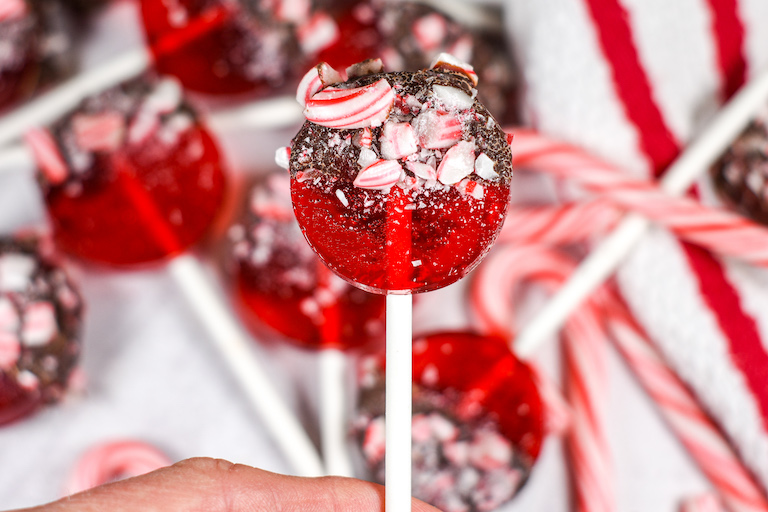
(477, 416)
(131, 176)
(40, 319)
(18, 60)
(400, 180)
(282, 284)
(260, 47)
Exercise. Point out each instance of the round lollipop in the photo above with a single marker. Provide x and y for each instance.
(477, 421)
(261, 47)
(19, 64)
(282, 284)
(40, 320)
(131, 176)
(400, 181)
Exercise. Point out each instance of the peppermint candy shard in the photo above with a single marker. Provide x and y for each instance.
(398, 140)
(359, 107)
(447, 62)
(484, 167)
(46, 154)
(381, 175)
(437, 130)
(366, 67)
(283, 156)
(317, 33)
(99, 132)
(457, 164)
(421, 170)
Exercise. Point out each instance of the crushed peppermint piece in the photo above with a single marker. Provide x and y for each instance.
(16, 272)
(416, 263)
(342, 197)
(47, 155)
(484, 167)
(318, 32)
(437, 130)
(39, 325)
(381, 175)
(398, 140)
(421, 170)
(351, 108)
(453, 98)
(283, 156)
(12, 9)
(10, 350)
(99, 132)
(430, 31)
(448, 62)
(457, 164)
(294, 11)
(308, 86)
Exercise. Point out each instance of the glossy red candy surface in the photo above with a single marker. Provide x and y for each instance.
(139, 186)
(281, 283)
(227, 47)
(400, 181)
(476, 412)
(399, 241)
(484, 369)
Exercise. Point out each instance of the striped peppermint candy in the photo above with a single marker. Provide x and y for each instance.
(113, 460)
(360, 107)
(458, 163)
(39, 325)
(47, 155)
(99, 132)
(315, 79)
(437, 130)
(381, 175)
(448, 62)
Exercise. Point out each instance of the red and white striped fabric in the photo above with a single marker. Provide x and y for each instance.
(632, 81)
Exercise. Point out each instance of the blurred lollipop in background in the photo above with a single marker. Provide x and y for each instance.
(281, 284)
(40, 323)
(477, 420)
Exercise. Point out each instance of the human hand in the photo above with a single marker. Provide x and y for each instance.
(211, 485)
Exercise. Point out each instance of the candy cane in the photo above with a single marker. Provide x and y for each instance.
(114, 460)
(558, 224)
(490, 295)
(585, 362)
(719, 230)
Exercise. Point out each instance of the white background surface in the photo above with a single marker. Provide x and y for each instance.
(153, 376)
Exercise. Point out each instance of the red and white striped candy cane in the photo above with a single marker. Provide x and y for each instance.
(719, 230)
(558, 224)
(490, 298)
(112, 461)
(585, 358)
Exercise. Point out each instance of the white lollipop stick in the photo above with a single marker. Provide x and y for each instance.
(333, 426)
(398, 409)
(233, 344)
(602, 261)
(50, 106)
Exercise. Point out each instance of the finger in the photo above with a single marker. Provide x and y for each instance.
(204, 484)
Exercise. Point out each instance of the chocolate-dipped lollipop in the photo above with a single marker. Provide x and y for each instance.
(400, 181)
(132, 176)
(40, 320)
(477, 421)
(281, 284)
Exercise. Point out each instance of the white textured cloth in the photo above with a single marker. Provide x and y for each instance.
(632, 81)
